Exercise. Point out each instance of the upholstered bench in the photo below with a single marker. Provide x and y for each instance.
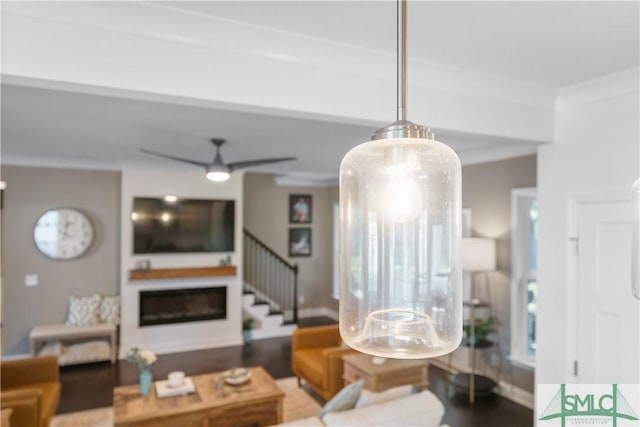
(79, 353)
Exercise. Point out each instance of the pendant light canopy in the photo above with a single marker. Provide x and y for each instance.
(400, 234)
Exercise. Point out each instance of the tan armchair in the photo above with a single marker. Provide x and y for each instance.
(31, 389)
(316, 357)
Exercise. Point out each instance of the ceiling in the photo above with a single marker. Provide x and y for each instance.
(547, 43)
(542, 44)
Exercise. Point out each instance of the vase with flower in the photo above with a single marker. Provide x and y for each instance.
(144, 359)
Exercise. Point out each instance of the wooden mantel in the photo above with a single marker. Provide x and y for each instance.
(181, 273)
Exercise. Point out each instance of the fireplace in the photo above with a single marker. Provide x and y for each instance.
(182, 305)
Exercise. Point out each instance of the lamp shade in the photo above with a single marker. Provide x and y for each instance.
(478, 254)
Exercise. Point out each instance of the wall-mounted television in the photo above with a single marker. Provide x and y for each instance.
(182, 226)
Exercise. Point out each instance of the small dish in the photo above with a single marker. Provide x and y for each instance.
(234, 378)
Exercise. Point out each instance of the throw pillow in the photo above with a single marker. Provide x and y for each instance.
(110, 309)
(422, 409)
(84, 311)
(345, 399)
(370, 397)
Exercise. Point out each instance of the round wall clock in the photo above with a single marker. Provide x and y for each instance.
(63, 233)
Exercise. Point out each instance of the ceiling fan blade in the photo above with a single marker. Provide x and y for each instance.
(248, 163)
(179, 159)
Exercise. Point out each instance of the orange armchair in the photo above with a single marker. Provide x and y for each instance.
(31, 389)
(316, 357)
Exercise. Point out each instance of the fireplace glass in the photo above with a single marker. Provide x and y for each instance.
(182, 305)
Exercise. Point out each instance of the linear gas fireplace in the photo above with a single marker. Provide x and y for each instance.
(182, 305)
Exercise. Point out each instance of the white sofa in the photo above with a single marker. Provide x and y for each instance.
(395, 407)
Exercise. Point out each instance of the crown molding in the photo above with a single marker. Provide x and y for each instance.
(99, 44)
(59, 163)
(599, 89)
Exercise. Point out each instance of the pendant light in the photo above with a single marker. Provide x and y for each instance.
(400, 234)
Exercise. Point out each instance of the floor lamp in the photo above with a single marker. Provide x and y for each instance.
(478, 255)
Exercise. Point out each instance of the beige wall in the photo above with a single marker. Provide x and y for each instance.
(266, 210)
(486, 190)
(30, 192)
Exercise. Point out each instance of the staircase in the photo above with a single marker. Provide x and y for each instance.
(270, 293)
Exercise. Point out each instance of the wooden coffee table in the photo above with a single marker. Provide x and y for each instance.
(257, 402)
(392, 373)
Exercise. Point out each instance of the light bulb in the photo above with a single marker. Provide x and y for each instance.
(402, 201)
(218, 176)
(165, 217)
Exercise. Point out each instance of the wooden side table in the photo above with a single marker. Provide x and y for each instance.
(392, 373)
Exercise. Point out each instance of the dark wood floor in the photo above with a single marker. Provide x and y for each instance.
(91, 385)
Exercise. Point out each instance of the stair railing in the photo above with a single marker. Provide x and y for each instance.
(272, 279)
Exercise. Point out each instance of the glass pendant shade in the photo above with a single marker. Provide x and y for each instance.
(635, 244)
(400, 237)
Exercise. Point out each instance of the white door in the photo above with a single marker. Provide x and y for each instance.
(608, 316)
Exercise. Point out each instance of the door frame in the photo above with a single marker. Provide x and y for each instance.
(573, 208)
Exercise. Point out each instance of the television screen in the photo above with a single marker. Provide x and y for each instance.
(185, 225)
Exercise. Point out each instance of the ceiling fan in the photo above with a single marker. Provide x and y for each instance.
(217, 170)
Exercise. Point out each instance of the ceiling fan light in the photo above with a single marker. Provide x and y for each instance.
(218, 176)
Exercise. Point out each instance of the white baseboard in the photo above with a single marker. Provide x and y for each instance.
(505, 389)
(282, 331)
(164, 348)
(318, 311)
(516, 394)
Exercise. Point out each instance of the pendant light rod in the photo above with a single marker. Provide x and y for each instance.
(401, 96)
(402, 128)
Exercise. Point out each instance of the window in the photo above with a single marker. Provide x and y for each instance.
(524, 266)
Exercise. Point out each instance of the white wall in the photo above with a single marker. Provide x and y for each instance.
(185, 182)
(596, 151)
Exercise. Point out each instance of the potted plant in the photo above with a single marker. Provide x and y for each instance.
(482, 328)
(247, 325)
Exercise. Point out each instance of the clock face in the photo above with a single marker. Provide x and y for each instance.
(63, 233)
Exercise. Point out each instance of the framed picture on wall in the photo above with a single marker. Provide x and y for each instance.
(299, 242)
(299, 208)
